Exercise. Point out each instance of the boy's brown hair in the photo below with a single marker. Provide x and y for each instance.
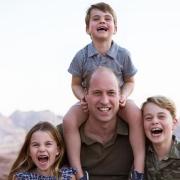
(162, 102)
(102, 7)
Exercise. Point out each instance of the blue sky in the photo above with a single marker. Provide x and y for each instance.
(38, 39)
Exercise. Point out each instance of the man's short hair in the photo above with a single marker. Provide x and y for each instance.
(99, 68)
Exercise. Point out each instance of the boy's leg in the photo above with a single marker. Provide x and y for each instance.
(71, 123)
(133, 116)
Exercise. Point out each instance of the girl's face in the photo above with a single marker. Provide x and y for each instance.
(43, 151)
(101, 25)
(158, 124)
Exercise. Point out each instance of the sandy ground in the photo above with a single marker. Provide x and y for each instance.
(6, 161)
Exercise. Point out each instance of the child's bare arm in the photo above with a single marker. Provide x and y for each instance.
(73, 177)
(76, 85)
(71, 123)
(79, 91)
(126, 89)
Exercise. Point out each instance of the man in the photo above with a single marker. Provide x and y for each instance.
(106, 152)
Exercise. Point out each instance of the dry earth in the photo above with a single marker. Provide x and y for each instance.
(6, 160)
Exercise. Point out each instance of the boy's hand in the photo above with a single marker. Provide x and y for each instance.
(122, 101)
(84, 104)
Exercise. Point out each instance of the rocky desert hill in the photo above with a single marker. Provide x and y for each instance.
(12, 133)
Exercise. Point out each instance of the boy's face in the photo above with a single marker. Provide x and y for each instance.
(101, 25)
(158, 124)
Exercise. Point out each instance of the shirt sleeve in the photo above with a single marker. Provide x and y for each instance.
(128, 67)
(67, 173)
(76, 65)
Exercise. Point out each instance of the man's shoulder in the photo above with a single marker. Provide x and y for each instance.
(122, 127)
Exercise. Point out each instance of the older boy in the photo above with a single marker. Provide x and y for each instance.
(163, 152)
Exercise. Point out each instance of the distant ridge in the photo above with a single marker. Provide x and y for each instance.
(18, 123)
(28, 119)
(13, 130)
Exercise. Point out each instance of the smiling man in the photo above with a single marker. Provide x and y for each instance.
(106, 152)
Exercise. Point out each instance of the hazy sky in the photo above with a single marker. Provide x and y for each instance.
(38, 39)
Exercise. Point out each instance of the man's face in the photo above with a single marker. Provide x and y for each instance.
(103, 96)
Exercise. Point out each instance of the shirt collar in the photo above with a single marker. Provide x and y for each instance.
(121, 129)
(174, 152)
(112, 52)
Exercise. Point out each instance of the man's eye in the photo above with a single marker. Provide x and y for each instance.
(111, 93)
(97, 93)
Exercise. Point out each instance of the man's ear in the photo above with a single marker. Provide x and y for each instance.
(85, 93)
(119, 92)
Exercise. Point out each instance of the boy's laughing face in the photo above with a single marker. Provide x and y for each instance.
(158, 123)
(101, 25)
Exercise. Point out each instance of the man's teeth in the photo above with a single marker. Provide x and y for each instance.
(104, 109)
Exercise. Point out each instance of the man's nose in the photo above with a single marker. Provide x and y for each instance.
(104, 99)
